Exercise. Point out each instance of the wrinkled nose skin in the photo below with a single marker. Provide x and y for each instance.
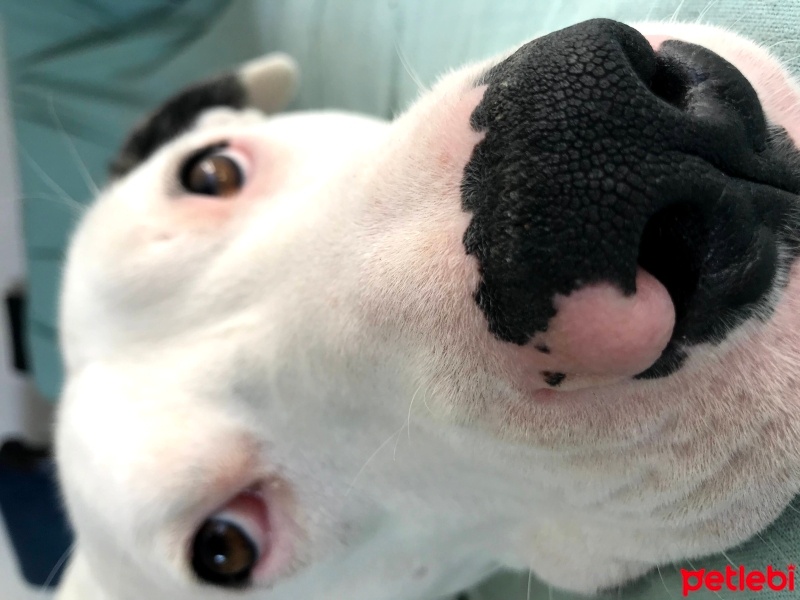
(602, 157)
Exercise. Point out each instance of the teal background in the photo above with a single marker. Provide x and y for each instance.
(81, 72)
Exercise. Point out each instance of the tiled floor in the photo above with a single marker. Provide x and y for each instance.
(11, 583)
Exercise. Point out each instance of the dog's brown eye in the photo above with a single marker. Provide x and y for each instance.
(212, 172)
(223, 554)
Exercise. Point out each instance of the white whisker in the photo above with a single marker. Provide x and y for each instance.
(421, 87)
(396, 443)
(76, 207)
(664, 583)
(410, 406)
(67, 553)
(427, 406)
(87, 177)
(373, 455)
(48, 181)
(792, 508)
(784, 41)
(736, 22)
(674, 16)
(778, 549)
(728, 558)
(704, 12)
(650, 12)
(530, 579)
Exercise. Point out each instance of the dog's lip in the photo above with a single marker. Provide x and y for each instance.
(547, 395)
(576, 388)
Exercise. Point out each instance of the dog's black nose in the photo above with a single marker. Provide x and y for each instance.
(601, 157)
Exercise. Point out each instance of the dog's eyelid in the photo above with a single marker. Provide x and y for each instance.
(216, 170)
(201, 153)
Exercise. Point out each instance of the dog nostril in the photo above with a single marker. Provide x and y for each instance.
(223, 553)
(553, 379)
(672, 84)
(673, 249)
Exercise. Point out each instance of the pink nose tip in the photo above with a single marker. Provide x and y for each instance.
(598, 331)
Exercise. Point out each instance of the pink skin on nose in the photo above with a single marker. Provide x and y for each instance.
(598, 335)
(600, 331)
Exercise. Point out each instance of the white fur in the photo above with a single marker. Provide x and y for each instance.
(319, 331)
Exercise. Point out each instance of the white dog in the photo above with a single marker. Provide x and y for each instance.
(546, 319)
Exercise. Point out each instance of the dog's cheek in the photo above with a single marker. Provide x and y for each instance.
(417, 275)
(417, 282)
(456, 139)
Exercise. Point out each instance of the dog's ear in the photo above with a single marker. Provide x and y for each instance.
(267, 84)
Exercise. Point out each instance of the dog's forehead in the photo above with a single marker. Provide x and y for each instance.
(266, 83)
(175, 117)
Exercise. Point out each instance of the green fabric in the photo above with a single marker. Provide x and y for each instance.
(352, 52)
(82, 71)
(778, 546)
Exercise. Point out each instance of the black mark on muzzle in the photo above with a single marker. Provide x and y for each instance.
(601, 156)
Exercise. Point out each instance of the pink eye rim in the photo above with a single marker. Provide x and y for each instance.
(233, 543)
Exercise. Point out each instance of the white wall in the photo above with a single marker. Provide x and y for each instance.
(21, 410)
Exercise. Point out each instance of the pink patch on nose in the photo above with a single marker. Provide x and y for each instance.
(598, 337)
(600, 331)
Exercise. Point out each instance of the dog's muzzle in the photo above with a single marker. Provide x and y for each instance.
(603, 159)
